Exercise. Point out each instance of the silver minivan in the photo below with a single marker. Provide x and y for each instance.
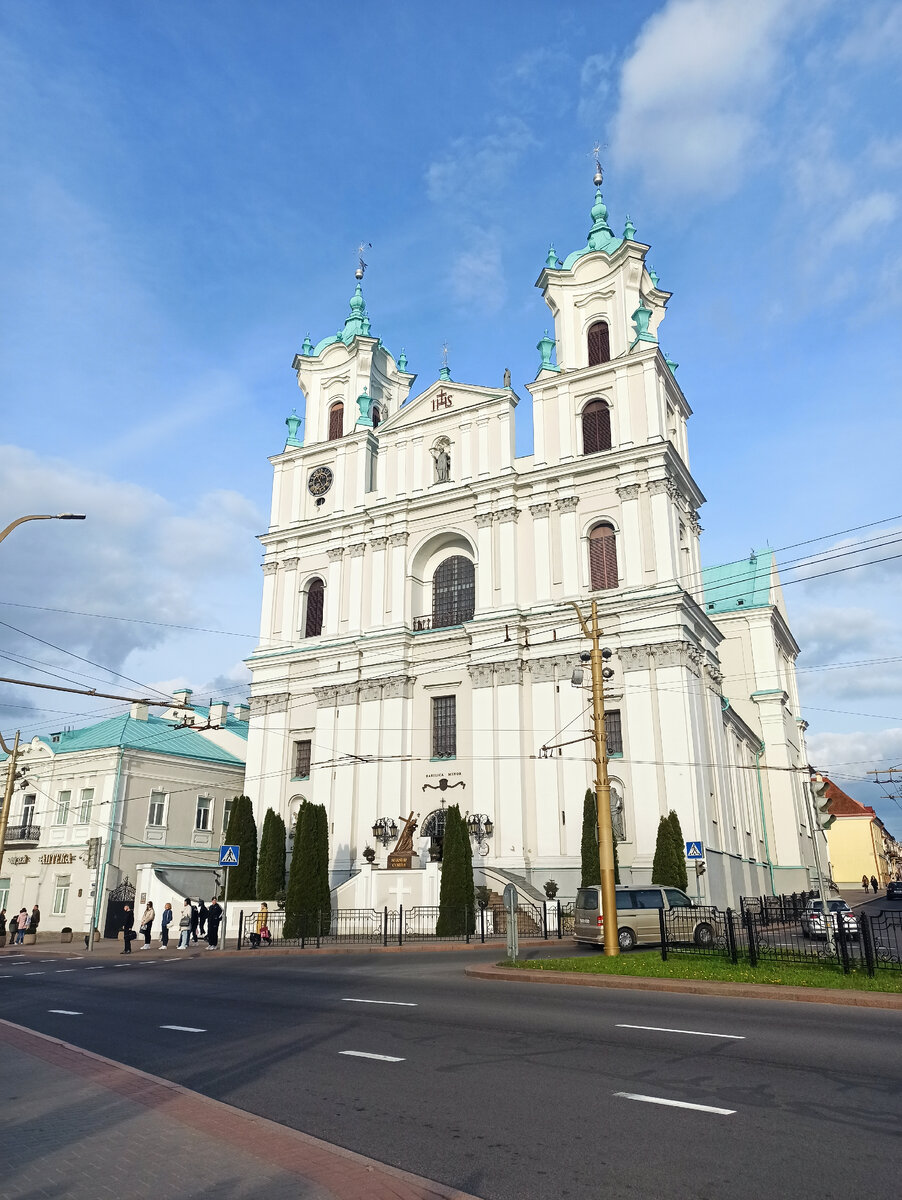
(637, 916)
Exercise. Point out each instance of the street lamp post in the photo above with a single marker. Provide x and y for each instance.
(41, 517)
(602, 785)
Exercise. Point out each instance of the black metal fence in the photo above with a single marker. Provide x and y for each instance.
(761, 933)
(389, 927)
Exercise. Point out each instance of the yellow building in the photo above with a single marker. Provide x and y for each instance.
(859, 843)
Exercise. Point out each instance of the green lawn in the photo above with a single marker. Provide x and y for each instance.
(648, 963)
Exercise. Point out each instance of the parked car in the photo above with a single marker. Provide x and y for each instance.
(894, 890)
(637, 916)
(814, 922)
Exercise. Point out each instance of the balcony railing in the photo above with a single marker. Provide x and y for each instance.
(23, 833)
(442, 620)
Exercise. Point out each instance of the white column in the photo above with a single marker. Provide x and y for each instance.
(466, 451)
(629, 552)
(267, 609)
(417, 455)
(570, 572)
(401, 476)
(538, 430)
(358, 602)
(666, 549)
(483, 743)
(541, 550)
(507, 555)
(654, 404)
(511, 818)
(565, 425)
(483, 462)
(290, 600)
(397, 599)
(333, 591)
(278, 609)
(378, 599)
(484, 566)
(623, 417)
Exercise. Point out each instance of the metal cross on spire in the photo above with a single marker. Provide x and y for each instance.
(599, 174)
(361, 265)
(444, 354)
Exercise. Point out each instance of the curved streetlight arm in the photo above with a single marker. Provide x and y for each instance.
(41, 517)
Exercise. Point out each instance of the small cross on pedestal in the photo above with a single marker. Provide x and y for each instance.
(399, 892)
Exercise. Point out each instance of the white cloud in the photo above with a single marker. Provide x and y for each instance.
(877, 35)
(695, 89)
(477, 273)
(855, 753)
(596, 81)
(472, 171)
(137, 555)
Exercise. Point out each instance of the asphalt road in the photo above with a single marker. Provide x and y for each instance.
(508, 1091)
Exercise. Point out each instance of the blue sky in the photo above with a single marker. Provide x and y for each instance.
(184, 190)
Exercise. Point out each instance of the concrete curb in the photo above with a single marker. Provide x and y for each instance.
(340, 1173)
(694, 987)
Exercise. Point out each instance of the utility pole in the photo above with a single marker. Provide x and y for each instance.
(8, 790)
(597, 658)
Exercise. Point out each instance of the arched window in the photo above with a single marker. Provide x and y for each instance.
(313, 622)
(596, 427)
(603, 557)
(599, 343)
(376, 416)
(336, 421)
(453, 592)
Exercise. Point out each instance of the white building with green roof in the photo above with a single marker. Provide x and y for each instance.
(150, 793)
(417, 644)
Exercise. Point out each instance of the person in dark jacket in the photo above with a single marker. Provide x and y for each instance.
(3, 924)
(201, 918)
(214, 916)
(35, 919)
(874, 884)
(165, 922)
(128, 921)
(195, 917)
(865, 882)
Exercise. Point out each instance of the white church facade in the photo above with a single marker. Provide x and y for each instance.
(417, 640)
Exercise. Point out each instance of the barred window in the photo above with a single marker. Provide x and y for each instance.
(599, 344)
(453, 592)
(302, 759)
(603, 557)
(444, 726)
(336, 421)
(313, 622)
(596, 427)
(613, 731)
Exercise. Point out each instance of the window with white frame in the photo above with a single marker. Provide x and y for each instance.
(227, 806)
(60, 894)
(204, 817)
(63, 801)
(28, 801)
(86, 803)
(4, 892)
(156, 813)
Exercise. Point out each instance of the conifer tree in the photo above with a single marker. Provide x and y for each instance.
(469, 883)
(271, 859)
(665, 869)
(242, 832)
(679, 845)
(295, 898)
(455, 891)
(321, 868)
(308, 877)
(591, 869)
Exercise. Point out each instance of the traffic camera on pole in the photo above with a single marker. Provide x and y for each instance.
(822, 813)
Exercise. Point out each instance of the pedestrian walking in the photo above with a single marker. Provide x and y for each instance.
(2, 926)
(165, 922)
(147, 923)
(865, 882)
(874, 884)
(128, 922)
(35, 919)
(22, 926)
(13, 927)
(214, 916)
(201, 918)
(195, 917)
(185, 925)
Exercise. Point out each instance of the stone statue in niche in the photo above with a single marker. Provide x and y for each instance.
(618, 824)
(442, 456)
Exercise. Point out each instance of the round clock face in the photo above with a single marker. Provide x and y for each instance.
(320, 481)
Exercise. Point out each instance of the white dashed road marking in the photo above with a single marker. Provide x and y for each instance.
(66, 1012)
(95, 968)
(396, 1003)
(184, 1028)
(722, 1112)
(363, 1054)
(35, 972)
(64, 971)
(737, 1037)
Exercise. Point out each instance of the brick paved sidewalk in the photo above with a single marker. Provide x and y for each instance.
(80, 1126)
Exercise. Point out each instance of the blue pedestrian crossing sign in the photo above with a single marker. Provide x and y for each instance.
(694, 851)
(228, 856)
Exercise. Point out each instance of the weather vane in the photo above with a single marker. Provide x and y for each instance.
(361, 265)
(444, 354)
(599, 174)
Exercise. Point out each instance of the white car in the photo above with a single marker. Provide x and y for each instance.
(814, 922)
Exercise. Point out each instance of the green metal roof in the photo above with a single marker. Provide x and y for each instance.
(739, 585)
(153, 735)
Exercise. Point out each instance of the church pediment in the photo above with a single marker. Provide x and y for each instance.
(443, 399)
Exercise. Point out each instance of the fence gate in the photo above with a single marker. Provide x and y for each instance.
(123, 894)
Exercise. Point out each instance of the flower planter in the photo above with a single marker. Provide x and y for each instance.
(2, 940)
(66, 937)
(30, 939)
